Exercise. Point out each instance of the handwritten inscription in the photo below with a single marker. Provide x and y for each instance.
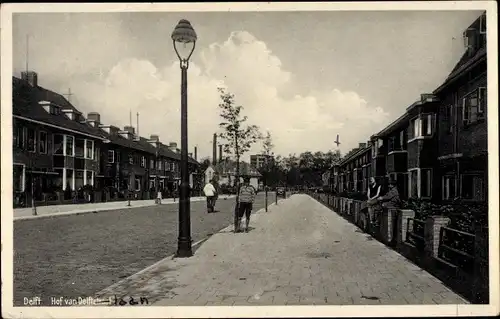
(90, 301)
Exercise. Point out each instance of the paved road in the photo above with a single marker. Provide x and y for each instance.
(78, 255)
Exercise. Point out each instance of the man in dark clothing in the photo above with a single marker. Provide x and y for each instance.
(391, 198)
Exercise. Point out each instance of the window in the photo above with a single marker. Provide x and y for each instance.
(143, 161)
(137, 184)
(70, 145)
(482, 101)
(466, 40)
(58, 144)
(111, 156)
(118, 157)
(151, 164)
(421, 126)
(449, 118)
(130, 159)
(19, 136)
(159, 165)
(79, 147)
(69, 179)
(79, 179)
(166, 165)
(18, 178)
(42, 142)
(89, 146)
(448, 187)
(426, 182)
(473, 105)
(482, 24)
(472, 187)
(89, 178)
(413, 183)
(31, 140)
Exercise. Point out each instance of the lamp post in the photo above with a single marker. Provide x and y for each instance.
(184, 40)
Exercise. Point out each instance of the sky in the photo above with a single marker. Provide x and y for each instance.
(303, 76)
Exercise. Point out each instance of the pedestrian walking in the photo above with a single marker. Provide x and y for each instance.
(246, 198)
(210, 192)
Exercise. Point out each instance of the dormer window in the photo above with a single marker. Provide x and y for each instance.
(474, 105)
(50, 107)
(482, 24)
(70, 114)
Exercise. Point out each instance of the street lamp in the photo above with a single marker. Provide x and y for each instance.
(184, 40)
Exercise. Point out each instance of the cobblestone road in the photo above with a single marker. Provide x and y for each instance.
(78, 255)
(299, 253)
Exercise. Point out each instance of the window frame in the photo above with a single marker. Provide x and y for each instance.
(467, 109)
(35, 145)
(112, 157)
(484, 189)
(446, 188)
(65, 150)
(430, 189)
(46, 142)
(482, 24)
(86, 155)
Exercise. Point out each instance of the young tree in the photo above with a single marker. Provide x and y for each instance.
(238, 135)
(267, 168)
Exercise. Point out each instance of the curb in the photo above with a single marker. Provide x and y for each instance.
(95, 211)
(104, 291)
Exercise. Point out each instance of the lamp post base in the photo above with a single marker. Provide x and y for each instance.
(184, 249)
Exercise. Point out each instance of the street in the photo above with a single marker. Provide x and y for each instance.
(78, 255)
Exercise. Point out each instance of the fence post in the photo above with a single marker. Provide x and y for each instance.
(387, 224)
(481, 276)
(405, 214)
(432, 231)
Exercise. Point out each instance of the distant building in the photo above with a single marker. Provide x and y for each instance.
(259, 160)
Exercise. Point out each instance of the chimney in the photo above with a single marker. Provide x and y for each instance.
(172, 146)
(190, 155)
(154, 138)
(471, 41)
(214, 146)
(369, 143)
(196, 153)
(220, 153)
(129, 129)
(137, 123)
(128, 132)
(31, 77)
(94, 119)
(362, 145)
(111, 129)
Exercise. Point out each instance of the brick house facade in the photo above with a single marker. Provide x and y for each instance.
(437, 149)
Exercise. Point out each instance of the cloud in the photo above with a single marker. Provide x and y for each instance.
(247, 67)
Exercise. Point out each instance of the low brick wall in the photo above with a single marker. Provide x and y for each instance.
(394, 227)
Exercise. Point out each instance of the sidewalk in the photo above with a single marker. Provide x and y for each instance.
(60, 210)
(299, 253)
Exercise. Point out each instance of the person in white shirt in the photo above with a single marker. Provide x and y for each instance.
(210, 193)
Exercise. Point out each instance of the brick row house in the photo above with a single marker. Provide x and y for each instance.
(436, 150)
(56, 151)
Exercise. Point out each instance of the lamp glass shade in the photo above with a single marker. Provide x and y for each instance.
(184, 38)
